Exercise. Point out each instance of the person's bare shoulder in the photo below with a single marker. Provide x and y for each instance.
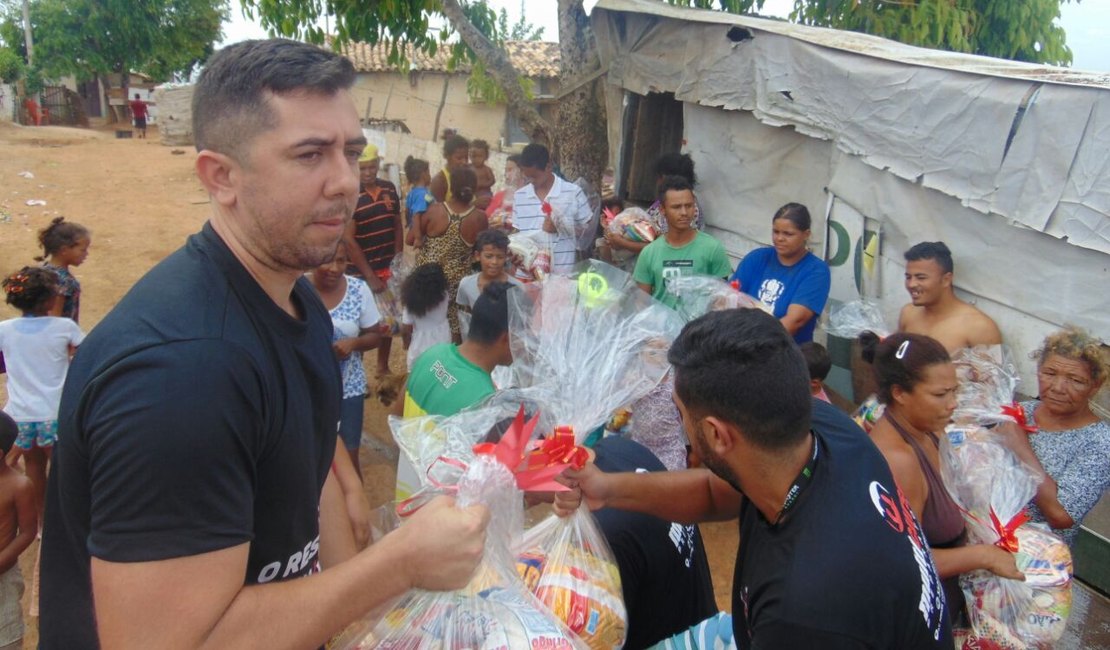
(979, 328)
(13, 486)
(908, 318)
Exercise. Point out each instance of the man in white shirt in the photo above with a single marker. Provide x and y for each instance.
(553, 205)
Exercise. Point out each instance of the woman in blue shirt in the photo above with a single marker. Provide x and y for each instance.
(786, 276)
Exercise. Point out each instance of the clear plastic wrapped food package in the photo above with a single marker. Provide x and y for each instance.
(568, 565)
(993, 487)
(987, 381)
(530, 254)
(494, 610)
(700, 294)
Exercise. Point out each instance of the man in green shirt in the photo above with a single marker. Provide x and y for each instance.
(447, 378)
(683, 250)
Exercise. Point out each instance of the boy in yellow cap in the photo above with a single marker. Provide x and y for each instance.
(373, 239)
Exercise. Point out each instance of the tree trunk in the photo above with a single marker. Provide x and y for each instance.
(105, 86)
(501, 69)
(581, 131)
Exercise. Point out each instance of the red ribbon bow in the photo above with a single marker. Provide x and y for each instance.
(546, 207)
(1016, 412)
(1007, 538)
(535, 469)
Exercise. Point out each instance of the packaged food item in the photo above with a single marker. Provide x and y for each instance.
(494, 610)
(530, 254)
(568, 565)
(987, 381)
(868, 413)
(993, 487)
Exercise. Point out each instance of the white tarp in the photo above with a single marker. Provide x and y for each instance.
(1002, 137)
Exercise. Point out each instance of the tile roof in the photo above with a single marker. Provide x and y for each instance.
(531, 58)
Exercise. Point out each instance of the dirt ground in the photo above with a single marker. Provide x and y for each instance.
(141, 200)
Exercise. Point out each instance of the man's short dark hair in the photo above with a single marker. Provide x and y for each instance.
(230, 99)
(489, 317)
(535, 156)
(9, 430)
(932, 250)
(740, 365)
(673, 184)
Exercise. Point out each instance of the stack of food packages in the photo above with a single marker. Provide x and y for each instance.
(993, 487)
(848, 320)
(494, 610)
(530, 254)
(631, 223)
(583, 345)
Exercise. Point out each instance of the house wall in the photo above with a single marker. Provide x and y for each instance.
(7, 103)
(414, 99)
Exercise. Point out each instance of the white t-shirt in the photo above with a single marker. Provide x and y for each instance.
(36, 352)
(570, 210)
(430, 329)
(355, 312)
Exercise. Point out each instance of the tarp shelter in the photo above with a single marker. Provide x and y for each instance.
(1006, 162)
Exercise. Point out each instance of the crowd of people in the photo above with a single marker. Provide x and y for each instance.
(205, 440)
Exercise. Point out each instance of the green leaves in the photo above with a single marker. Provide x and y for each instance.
(91, 37)
(1025, 30)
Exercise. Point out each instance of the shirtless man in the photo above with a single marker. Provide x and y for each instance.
(934, 309)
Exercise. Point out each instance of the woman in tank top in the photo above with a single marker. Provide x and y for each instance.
(450, 230)
(917, 384)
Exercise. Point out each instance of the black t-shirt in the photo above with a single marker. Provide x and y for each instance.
(848, 567)
(196, 416)
(664, 571)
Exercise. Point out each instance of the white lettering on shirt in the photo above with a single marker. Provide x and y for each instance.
(447, 379)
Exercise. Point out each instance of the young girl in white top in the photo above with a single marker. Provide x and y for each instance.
(355, 328)
(424, 297)
(36, 348)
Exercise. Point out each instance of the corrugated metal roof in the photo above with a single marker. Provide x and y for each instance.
(870, 45)
(531, 58)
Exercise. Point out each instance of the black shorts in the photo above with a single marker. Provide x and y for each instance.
(140, 122)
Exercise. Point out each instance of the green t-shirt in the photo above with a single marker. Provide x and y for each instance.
(659, 261)
(443, 382)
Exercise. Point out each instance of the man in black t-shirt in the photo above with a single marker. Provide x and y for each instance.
(664, 572)
(198, 423)
(830, 553)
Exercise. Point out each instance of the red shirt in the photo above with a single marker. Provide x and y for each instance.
(138, 108)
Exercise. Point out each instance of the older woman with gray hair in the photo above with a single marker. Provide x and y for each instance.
(1071, 441)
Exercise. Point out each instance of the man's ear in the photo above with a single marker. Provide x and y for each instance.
(946, 279)
(218, 174)
(719, 436)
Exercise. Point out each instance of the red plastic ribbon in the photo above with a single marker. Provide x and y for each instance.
(533, 471)
(546, 207)
(559, 448)
(1016, 412)
(1007, 538)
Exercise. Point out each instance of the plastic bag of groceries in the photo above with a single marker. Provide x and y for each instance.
(530, 254)
(631, 223)
(987, 381)
(850, 319)
(569, 566)
(495, 609)
(388, 302)
(593, 341)
(701, 294)
(993, 487)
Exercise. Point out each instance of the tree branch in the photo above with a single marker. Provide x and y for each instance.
(500, 69)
